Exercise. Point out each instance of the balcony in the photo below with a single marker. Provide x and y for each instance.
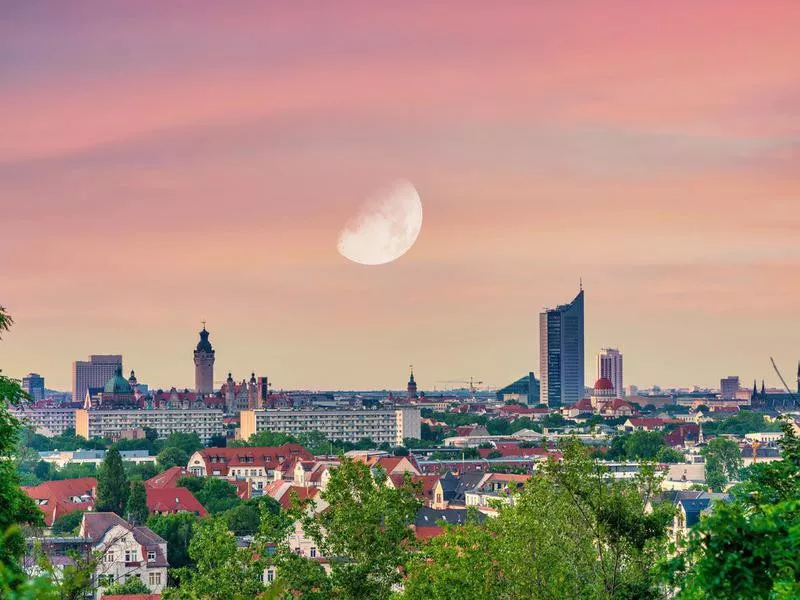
(133, 563)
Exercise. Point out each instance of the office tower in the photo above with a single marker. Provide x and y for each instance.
(561, 358)
(33, 383)
(728, 387)
(204, 365)
(609, 366)
(93, 373)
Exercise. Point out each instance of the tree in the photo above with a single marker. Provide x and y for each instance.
(44, 470)
(216, 495)
(270, 438)
(366, 526)
(669, 455)
(243, 519)
(17, 506)
(112, 484)
(137, 503)
(747, 548)
(177, 530)
(400, 451)
(132, 585)
(643, 445)
(222, 570)
(495, 454)
(461, 563)
(68, 524)
(188, 442)
(172, 456)
(723, 461)
(217, 441)
(150, 433)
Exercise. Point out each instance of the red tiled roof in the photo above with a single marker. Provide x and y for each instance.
(513, 450)
(53, 497)
(651, 422)
(303, 493)
(132, 597)
(168, 478)
(427, 532)
(172, 500)
(269, 457)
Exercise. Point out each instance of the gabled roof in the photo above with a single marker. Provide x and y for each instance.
(427, 517)
(173, 500)
(269, 457)
(95, 525)
(168, 478)
(54, 497)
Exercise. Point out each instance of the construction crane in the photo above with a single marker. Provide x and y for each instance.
(783, 381)
(472, 383)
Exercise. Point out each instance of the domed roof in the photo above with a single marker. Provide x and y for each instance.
(603, 384)
(204, 345)
(118, 384)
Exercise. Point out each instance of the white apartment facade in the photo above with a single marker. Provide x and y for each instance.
(206, 422)
(48, 422)
(384, 425)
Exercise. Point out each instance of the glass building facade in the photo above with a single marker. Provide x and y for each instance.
(561, 353)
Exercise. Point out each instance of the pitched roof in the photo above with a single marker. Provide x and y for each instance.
(168, 478)
(96, 524)
(268, 456)
(650, 422)
(54, 498)
(173, 500)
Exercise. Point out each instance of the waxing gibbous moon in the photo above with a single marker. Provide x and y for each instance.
(385, 227)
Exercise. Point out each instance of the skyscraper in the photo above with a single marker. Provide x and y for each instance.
(204, 365)
(728, 387)
(609, 366)
(561, 359)
(33, 383)
(93, 373)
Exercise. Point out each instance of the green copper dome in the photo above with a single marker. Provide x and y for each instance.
(118, 384)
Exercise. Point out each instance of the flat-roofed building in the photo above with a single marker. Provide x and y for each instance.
(383, 425)
(206, 422)
(93, 373)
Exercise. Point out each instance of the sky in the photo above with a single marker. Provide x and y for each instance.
(167, 163)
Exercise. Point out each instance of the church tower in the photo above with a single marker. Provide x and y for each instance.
(204, 365)
(412, 386)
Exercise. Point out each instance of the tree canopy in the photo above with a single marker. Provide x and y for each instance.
(112, 484)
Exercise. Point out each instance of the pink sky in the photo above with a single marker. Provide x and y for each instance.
(160, 165)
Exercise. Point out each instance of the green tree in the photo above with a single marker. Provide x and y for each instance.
(172, 456)
(243, 519)
(217, 441)
(222, 570)
(44, 470)
(669, 455)
(177, 530)
(188, 442)
(270, 438)
(643, 445)
(137, 503)
(723, 461)
(366, 526)
(16, 507)
(132, 585)
(747, 548)
(68, 524)
(112, 484)
(461, 563)
(216, 495)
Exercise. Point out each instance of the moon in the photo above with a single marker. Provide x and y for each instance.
(385, 226)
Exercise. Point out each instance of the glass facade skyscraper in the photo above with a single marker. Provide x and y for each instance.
(561, 353)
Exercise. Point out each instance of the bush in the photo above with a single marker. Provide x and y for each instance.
(68, 524)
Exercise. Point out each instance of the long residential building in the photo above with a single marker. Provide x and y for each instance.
(46, 419)
(92, 423)
(384, 425)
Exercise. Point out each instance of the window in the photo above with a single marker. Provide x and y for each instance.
(313, 553)
(270, 576)
(131, 556)
(109, 556)
(154, 578)
(151, 555)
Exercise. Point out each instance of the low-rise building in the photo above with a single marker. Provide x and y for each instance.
(60, 458)
(58, 498)
(127, 551)
(381, 425)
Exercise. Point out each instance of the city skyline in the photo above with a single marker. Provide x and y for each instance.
(200, 164)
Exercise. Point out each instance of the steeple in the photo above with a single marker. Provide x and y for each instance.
(763, 388)
(204, 364)
(755, 391)
(412, 384)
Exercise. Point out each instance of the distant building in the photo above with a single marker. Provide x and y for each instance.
(33, 383)
(383, 425)
(412, 387)
(561, 353)
(93, 373)
(47, 419)
(525, 390)
(609, 366)
(204, 365)
(116, 410)
(729, 386)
